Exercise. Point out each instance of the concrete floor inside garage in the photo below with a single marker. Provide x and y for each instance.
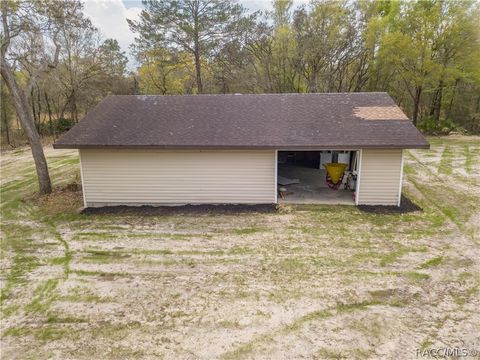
(312, 187)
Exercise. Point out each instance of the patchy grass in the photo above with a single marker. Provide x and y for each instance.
(304, 282)
(469, 159)
(393, 256)
(416, 276)
(43, 296)
(432, 262)
(445, 166)
(247, 230)
(22, 265)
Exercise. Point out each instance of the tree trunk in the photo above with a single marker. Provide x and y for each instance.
(196, 46)
(438, 105)
(64, 108)
(39, 100)
(312, 86)
(198, 70)
(450, 105)
(164, 84)
(73, 106)
(224, 84)
(434, 102)
(416, 104)
(34, 112)
(5, 121)
(135, 85)
(312, 82)
(312, 74)
(20, 103)
(50, 120)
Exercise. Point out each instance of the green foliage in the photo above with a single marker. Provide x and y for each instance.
(197, 28)
(429, 125)
(166, 73)
(56, 126)
(112, 58)
(60, 66)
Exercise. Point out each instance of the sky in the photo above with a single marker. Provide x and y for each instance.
(110, 17)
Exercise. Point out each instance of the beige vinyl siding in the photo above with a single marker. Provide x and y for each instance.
(380, 177)
(136, 177)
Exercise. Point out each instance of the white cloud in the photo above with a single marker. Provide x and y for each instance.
(267, 5)
(255, 5)
(110, 17)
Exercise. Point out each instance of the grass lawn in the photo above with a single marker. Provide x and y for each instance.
(309, 281)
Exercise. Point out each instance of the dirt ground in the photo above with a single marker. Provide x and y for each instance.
(315, 282)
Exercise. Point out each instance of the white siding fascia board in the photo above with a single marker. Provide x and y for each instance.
(81, 177)
(276, 175)
(357, 190)
(401, 181)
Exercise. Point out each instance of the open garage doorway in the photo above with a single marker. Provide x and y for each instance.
(302, 177)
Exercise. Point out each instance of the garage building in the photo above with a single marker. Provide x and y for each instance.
(236, 149)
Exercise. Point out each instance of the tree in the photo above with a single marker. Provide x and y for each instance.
(283, 48)
(197, 27)
(453, 43)
(322, 35)
(22, 22)
(272, 48)
(425, 52)
(112, 59)
(113, 77)
(79, 61)
(233, 70)
(165, 72)
(5, 112)
(30, 43)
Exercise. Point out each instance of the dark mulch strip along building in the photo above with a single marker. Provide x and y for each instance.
(180, 210)
(406, 206)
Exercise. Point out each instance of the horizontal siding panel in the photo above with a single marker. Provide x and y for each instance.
(199, 200)
(383, 202)
(379, 185)
(199, 181)
(177, 193)
(380, 177)
(382, 191)
(380, 181)
(384, 169)
(114, 177)
(377, 197)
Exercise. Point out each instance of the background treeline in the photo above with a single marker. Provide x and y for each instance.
(426, 54)
(60, 65)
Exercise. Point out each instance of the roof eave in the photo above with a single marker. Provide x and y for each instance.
(245, 147)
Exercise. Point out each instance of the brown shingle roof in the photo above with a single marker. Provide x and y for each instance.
(269, 121)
